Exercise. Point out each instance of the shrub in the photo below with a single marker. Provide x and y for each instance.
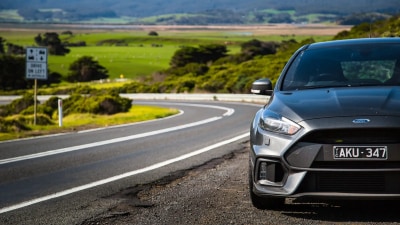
(12, 125)
(43, 109)
(17, 106)
(96, 103)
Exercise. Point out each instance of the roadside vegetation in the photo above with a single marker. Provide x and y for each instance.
(96, 109)
(200, 63)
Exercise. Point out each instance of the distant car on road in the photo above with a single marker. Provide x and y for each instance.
(331, 128)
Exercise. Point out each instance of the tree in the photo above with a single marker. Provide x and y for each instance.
(53, 42)
(202, 55)
(212, 52)
(255, 47)
(86, 69)
(153, 33)
(15, 49)
(52, 78)
(2, 40)
(12, 72)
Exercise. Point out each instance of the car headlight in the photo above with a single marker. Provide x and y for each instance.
(279, 125)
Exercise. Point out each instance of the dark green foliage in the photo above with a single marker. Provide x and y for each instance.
(52, 42)
(67, 32)
(203, 54)
(41, 119)
(75, 44)
(86, 69)
(52, 102)
(15, 49)
(2, 41)
(153, 33)
(381, 28)
(195, 69)
(25, 106)
(356, 19)
(83, 89)
(70, 104)
(12, 72)
(255, 47)
(96, 103)
(12, 125)
(111, 42)
(52, 78)
(17, 106)
(138, 87)
(41, 109)
(227, 73)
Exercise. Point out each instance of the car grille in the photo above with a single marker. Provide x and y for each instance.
(352, 182)
(356, 165)
(353, 136)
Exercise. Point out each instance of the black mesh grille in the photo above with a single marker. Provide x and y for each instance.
(352, 182)
(356, 164)
(353, 136)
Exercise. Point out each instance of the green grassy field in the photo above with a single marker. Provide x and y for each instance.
(136, 55)
(129, 61)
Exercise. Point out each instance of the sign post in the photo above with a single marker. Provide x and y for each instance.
(36, 68)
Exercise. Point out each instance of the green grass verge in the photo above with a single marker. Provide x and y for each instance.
(76, 122)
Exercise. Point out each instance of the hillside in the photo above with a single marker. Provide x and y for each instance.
(210, 11)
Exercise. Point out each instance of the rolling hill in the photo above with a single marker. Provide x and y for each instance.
(234, 11)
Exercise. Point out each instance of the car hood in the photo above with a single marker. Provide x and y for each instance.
(309, 104)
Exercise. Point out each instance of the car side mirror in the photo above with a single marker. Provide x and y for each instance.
(262, 87)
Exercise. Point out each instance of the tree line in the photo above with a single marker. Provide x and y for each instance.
(232, 11)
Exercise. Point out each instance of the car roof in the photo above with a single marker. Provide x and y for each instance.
(358, 41)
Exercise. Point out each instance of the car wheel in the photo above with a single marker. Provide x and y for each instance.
(272, 203)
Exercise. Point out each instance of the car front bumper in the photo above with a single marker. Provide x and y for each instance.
(303, 168)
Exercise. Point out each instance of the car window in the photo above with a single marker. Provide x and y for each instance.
(344, 66)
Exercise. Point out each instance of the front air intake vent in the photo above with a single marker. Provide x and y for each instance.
(350, 182)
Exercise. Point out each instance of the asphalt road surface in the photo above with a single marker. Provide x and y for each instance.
(54, 179)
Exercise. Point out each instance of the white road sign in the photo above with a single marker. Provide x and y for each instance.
(36, 63)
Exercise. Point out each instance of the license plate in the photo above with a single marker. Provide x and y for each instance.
(360, 152)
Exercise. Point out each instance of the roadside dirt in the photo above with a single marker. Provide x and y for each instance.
(217, 193)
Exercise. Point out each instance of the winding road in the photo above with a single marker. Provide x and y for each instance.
(56, 179)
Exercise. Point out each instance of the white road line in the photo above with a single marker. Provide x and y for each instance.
(106, 142)
(121, 176)
(229, 112)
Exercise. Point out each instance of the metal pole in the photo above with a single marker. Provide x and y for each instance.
(35, 102)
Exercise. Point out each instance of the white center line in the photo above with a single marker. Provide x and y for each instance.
(229, 112)
(121, 176)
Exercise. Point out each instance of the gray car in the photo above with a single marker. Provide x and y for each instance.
(331, 127)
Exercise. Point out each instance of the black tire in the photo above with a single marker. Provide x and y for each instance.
(272, 203)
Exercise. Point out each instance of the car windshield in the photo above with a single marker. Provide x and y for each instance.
(344, 66)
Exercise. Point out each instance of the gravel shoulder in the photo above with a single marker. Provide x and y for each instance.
(217, 193)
